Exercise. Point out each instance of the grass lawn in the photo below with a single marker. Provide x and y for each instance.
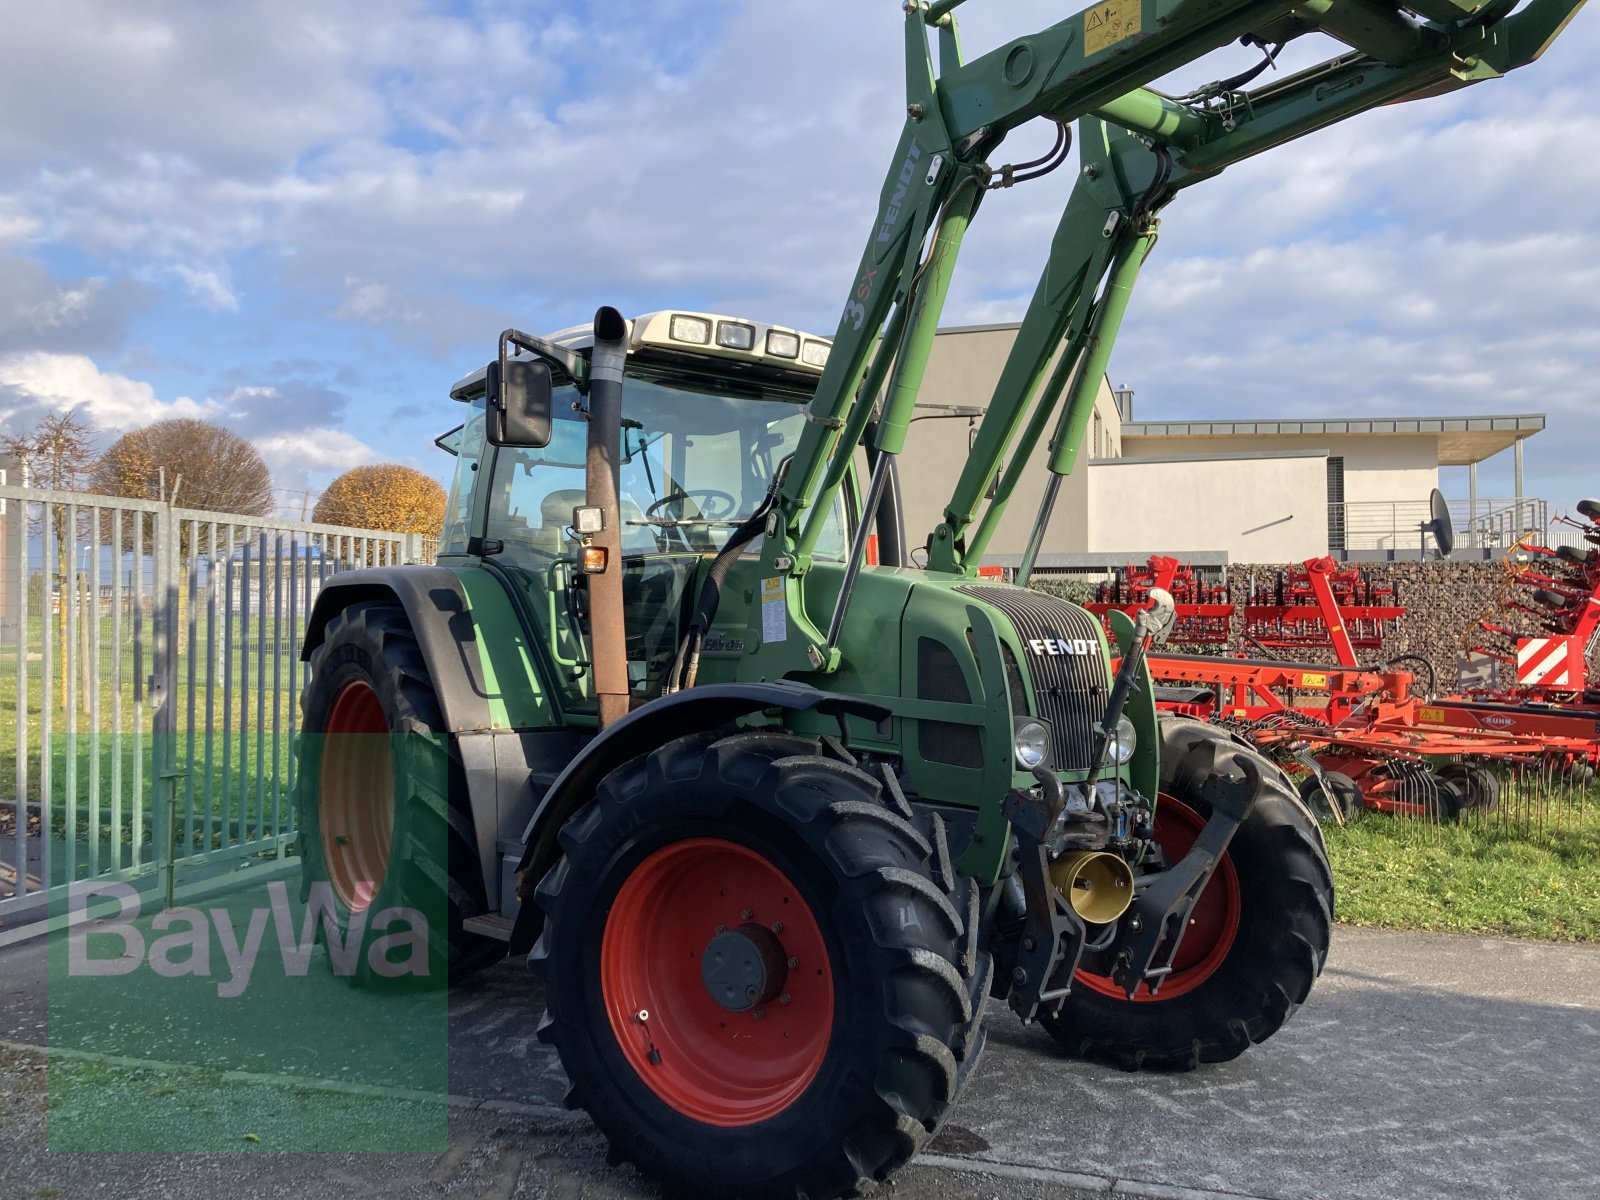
(1407, 874)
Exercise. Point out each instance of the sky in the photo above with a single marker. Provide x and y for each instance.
(305, 220)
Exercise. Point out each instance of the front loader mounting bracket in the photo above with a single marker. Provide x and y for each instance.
(1156, 921)
(1053, 935)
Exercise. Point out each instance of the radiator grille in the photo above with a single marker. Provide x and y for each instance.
(939, 677)
(1070, 689)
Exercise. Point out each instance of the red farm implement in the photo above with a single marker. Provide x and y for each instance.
(1203, 611)
(1322, 604)
(1361, 734)
(1546, 620)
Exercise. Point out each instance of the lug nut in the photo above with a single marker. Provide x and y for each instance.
(793, 963)
(1028, 943)
(746, 914)
(785, 998)
(759, 1013)
(777, 927)
(1019, 975)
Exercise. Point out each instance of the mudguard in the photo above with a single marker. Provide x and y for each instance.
(640, 732)
(435, 603)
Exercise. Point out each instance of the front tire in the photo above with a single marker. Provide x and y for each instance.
(845, 929)
(1258, 936)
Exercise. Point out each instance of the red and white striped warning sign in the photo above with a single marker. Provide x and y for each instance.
(1546, 661)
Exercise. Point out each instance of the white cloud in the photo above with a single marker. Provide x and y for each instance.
(15, 225)
(432, 176)
(64, 382)
(313, 456)
(209, 286)
(305, 461)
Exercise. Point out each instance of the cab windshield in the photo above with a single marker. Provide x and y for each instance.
(696, 460)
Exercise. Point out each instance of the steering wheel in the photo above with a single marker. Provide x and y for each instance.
(724, 503)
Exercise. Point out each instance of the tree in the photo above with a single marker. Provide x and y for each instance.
(386, 496)
(207, 466)
(58, 453)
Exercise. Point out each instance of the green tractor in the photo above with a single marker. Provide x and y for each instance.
(774, 797)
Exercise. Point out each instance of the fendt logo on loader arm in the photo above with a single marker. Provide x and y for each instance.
(1055, 647)
(891, 212)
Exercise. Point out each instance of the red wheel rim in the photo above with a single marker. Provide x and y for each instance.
(355, 804)
(714, 1065)
(1212, 925)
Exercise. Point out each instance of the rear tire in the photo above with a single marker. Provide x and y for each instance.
(381, 797)
(711, 834)
(1258, 937)
(1475, 785)
(1335, 786)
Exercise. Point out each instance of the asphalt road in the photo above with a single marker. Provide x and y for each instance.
(1424, 1066)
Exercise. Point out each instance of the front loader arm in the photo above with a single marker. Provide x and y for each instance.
(1096, 63)
(1197, 141)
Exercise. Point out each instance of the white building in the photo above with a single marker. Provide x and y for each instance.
(1240, 491)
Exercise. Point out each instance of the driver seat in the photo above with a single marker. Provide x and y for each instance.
(555, 513)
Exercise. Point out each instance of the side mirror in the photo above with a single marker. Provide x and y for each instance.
(519, 394)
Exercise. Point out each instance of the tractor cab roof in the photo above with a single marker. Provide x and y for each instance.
(687, 336)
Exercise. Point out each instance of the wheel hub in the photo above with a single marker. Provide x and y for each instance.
(744, 968)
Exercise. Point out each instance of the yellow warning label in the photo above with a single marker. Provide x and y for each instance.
(1311, 679)
(1433, 716)
(1107, 24)
(772, 589)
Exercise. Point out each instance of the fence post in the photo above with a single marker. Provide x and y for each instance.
(163, 688)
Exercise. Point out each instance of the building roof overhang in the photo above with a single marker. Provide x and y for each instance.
(1462, 440)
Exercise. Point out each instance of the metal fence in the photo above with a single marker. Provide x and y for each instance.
(149, 668)
(1492, 523)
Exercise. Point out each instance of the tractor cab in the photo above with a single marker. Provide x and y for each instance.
(712, 409)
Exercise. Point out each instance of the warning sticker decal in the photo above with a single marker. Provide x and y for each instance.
(774, 612)
(1107, 24)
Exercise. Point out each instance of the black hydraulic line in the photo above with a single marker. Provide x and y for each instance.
(686, 663)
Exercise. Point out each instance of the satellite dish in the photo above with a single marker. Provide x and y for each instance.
(1440, 526)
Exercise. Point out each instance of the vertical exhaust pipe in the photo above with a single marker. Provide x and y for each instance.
(607, 635)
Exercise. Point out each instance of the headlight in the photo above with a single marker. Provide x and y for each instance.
(690, 329)
(1031, 744)
(1123, 743)
(784, 345)
(736, 335)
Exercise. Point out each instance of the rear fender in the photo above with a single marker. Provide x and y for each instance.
(641, 731)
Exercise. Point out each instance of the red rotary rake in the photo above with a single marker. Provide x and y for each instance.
(1547, 619)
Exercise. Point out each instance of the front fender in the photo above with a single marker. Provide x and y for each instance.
(641, 731)
(435, 603)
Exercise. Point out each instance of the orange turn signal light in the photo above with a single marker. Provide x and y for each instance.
(594, 560)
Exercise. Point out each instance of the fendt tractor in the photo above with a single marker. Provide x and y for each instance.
(774, 796)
